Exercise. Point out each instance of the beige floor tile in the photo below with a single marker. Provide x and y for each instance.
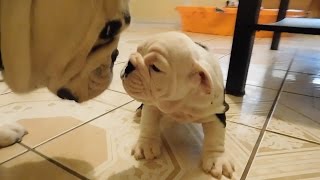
(114, 98)
(105, 144)
(43, 129)
(126, 48)
(219, 43)
(198, 37)
(253, 94)
(264, 58)
(309, 53)
(30, 166)
(280, 157)
(11, 98)
(306, 64)
(291, 43)
(88, 144)
(303, 84)
(116, 83)
(132, 106)
(46, 116)
(38, 105)
(297, 116)
(265, 77)
(10, 152)
(4, 89)
(251, 109)
(272, 59)
(258, 75)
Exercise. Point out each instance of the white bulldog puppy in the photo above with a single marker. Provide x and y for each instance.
(175, 77)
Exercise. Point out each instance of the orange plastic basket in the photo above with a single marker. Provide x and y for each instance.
(202, 19)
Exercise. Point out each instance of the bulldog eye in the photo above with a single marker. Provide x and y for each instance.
(155, 68)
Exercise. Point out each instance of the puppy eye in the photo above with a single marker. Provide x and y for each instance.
(155, 68)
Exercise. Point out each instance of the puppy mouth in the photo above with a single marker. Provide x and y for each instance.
(134, 86)
(127, 70)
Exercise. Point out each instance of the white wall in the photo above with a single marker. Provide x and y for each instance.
(163, 11)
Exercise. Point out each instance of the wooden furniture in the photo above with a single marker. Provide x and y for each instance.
(244, 34)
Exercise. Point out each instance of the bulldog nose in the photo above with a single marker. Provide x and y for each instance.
(129, 68)
(64, 93)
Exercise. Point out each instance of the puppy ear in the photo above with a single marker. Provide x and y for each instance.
(202, 77)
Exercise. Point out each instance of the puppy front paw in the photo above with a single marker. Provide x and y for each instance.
(11, 133)
(146, 149)
(217, 165)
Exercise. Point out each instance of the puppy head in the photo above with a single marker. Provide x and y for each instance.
(67, 46)
(89, 72)
(165, 68)
(91, 80)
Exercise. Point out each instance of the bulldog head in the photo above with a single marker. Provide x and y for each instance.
(166, 68)
(67, 46)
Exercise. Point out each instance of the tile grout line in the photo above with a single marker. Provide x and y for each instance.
(275, 132)
(56, 163)
(15, 156)
(301, 94)
(117, 91)
(82, 124)
(301, 114)
(293, 137)
(304, 73)
(65, 132)
(6, 93)
(264, 127)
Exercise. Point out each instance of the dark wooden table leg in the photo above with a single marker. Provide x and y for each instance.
(281, 15)
(243, 39)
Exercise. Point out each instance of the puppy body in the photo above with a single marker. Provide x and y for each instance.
(173, 76)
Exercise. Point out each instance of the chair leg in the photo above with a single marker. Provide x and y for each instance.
(275, 40)
(243, 39)
(284, 4)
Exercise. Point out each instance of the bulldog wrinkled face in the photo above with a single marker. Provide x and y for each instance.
(157, 74)
(86, 86)
(97, 73)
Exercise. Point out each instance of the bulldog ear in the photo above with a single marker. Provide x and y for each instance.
(203, 78)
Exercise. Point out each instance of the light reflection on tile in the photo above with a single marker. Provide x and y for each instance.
(297, 116)
(303, 84)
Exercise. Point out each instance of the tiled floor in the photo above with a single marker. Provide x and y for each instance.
(93, 140)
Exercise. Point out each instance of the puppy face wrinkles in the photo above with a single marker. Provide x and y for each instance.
(72, 52)
(97, 72)
(167, 70)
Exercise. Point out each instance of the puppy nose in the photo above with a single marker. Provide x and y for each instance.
(64, 93)
(129, 68)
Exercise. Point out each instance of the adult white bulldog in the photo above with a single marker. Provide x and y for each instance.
(173, 76)
(68, 46)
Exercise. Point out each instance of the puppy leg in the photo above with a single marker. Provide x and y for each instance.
(11, 133)
(137, 116)
(148, 144)
(214, 160)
